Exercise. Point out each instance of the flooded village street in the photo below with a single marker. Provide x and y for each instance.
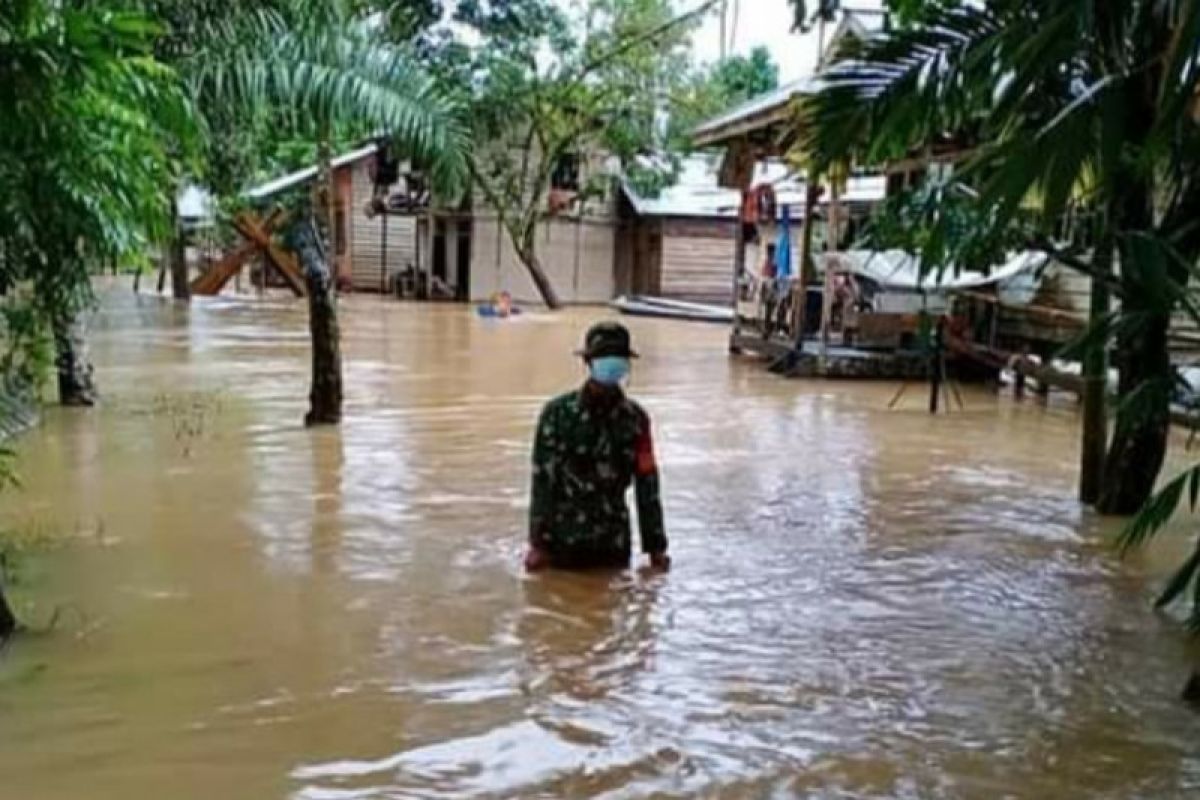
(865, 603)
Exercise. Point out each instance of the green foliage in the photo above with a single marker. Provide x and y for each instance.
(716, 89)
(28, 353)
(943, 224)
(902, 13)
(94, 128)
(544, 83)
(18, 543)
(405, 21)
(1063, 106)
(739, 78)
(1185, 487)
(329, 71)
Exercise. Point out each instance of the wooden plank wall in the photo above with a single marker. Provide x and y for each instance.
(579, 256)
(366, 255)
(697, 259)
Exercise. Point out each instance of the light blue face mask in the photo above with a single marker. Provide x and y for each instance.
(610, 370)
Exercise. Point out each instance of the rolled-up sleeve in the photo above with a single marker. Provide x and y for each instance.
(649, 502)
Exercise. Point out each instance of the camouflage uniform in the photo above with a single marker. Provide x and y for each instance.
(590, 446)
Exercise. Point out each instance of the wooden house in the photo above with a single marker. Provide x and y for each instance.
(464, 253)
(679, 244)
(369, 248)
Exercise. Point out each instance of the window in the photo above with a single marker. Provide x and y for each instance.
(566, 173)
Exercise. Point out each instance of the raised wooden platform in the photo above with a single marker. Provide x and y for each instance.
(840, 362)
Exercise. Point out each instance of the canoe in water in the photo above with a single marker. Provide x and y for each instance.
(643, 306)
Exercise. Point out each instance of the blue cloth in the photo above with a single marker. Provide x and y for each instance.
(783, 247)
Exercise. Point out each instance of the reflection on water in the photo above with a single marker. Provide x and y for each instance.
(865, 603)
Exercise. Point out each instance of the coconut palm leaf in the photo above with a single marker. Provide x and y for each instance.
(333, 73)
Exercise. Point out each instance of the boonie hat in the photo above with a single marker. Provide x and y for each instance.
(607, 339)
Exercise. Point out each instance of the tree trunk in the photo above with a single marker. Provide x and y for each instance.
(541, 280)
(325, 395)
(1095, 374)
(76, 386)
(325, 398)
(1139, 444)
(8, 620)
(181, 289)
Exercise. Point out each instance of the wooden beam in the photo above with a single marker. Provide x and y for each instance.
(214, 280)
(256, 234)
(260, 234)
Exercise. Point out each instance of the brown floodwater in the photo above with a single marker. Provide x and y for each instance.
(865, 603)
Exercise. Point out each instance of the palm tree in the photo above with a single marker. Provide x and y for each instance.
(331, 68)
(1089, 103)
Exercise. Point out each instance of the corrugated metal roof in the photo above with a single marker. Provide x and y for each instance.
(753, 113)
(773, 107)
(285, 182)
(697, 192)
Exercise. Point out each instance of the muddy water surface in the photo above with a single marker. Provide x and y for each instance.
(865, 603)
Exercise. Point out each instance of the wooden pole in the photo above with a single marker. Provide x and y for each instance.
(180, 288)
(739, 263)
(804, 270)
(383, 254)
(831, 246)
(1094, 449)
(937, 366)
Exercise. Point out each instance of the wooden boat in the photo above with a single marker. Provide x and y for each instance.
(645, 306)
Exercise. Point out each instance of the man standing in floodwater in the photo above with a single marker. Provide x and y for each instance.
(591, 444)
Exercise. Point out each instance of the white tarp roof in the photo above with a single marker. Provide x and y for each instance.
(897, 270)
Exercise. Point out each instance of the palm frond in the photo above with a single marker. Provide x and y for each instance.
(1180, 581)
(890, 94)
(341, 73)
(1158, 512)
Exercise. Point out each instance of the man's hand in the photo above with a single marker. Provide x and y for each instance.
(536, 559)
(660, 562)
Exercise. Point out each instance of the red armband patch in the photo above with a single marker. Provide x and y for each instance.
(644, 449)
